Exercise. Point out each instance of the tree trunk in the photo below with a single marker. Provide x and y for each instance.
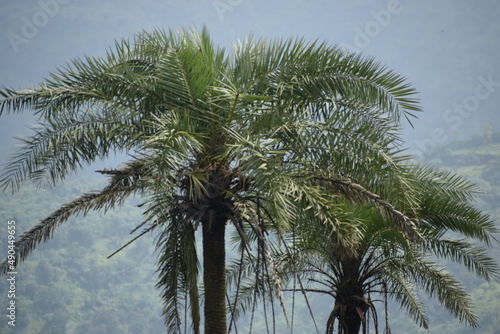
(352, 321)
(350, 298)
(214, 276)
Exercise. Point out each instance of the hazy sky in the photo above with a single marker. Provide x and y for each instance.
(448, 49)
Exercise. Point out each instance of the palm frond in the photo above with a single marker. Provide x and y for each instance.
(125, 182)
(438, 283)
(442, 214)
(474, 258)
(445, 183)
(178, 272)
(65, 145)
(43, 231)
(403, 291)
(357, 194)
(304, 70)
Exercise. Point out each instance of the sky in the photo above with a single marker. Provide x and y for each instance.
(449, 50)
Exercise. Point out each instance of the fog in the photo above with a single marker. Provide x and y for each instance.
(449, 50)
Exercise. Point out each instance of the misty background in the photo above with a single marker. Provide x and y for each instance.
(449, 50)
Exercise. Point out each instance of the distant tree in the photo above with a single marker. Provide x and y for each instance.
(385, 265)
(262, 138)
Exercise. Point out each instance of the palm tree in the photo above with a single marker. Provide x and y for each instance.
(386, 265)
(259, 138)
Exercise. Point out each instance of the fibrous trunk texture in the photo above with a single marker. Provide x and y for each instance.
(214, 276)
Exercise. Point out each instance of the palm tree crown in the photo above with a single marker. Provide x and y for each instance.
(264, 137)
(385, 265)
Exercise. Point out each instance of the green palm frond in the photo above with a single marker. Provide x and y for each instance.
(355, 193)
(404, 293)
(437, 181)
(178, 274)
(474, 258)
(65, 145)
(441, 214)
(317, 70)
(438, 283)
(123, 184)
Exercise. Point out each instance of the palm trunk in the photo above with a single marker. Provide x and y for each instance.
(214, 276)
(352, 321)
(350, 299)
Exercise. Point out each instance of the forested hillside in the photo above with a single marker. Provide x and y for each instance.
(68, 286)
(478, 160)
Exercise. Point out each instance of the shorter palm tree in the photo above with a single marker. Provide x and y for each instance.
(386, 265)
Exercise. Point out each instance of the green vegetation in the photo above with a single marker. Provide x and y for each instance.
(275, 138)
(385, 265)
(68, 285)
(477, 159)
(260, 139)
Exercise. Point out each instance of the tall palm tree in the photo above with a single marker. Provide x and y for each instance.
(260, 138)
(385, 265)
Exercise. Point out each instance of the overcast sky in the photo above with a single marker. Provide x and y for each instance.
(448, 49)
